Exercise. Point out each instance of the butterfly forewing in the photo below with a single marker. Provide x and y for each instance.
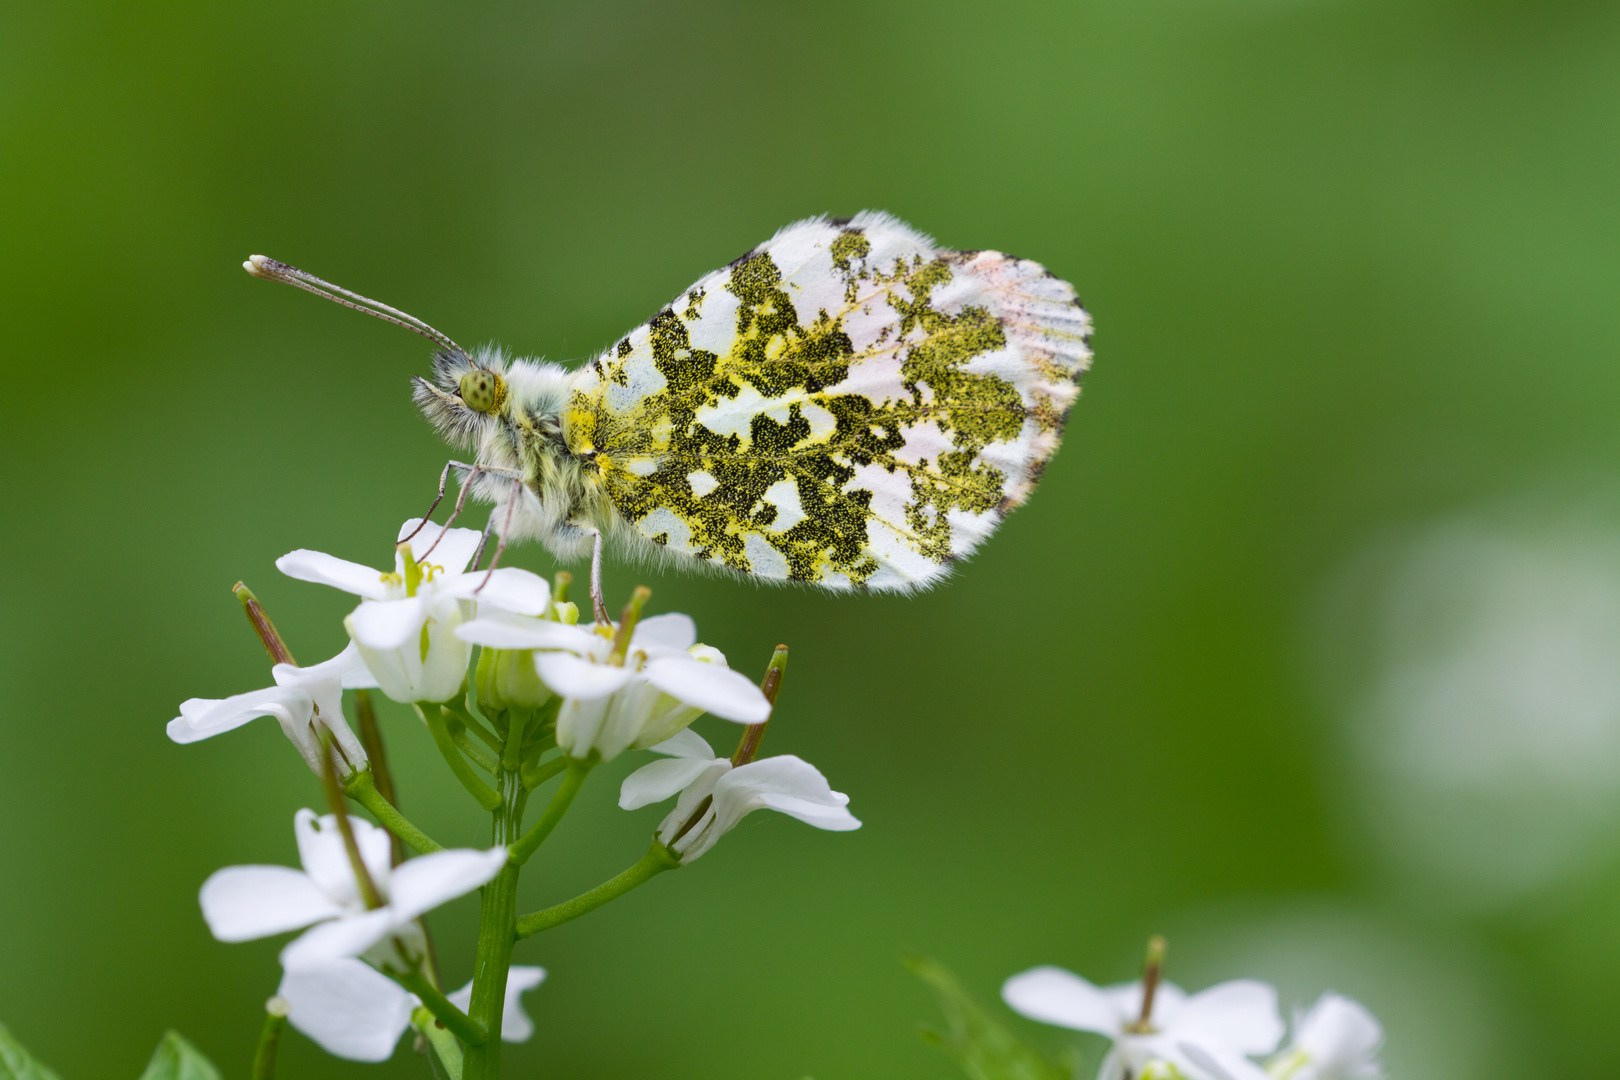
(845, 405)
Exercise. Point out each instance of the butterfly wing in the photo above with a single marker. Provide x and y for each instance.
(845, 405)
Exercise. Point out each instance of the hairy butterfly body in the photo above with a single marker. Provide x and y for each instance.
(845, 405)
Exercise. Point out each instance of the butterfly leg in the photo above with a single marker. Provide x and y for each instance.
(461, 497)
(444, 478)
(500, 545)
(598, 604)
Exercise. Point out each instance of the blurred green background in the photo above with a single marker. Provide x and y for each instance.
(1301, 654)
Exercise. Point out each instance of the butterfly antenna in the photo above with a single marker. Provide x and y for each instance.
(261, 266)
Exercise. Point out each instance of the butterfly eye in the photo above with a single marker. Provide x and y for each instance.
(483, 390)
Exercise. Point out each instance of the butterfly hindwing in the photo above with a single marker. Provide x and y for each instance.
(845, 405)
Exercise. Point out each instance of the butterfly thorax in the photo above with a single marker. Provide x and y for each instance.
(510, 415)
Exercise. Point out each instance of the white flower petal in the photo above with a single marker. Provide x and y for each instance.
(507, 588)
(453, 553)
(685, 743)
(1241, 1014)
(496, 631)
(324, 683)
(326, 858)
(714, 689)
(786, 784)
(347, 1008)
(569, 676)
(202, 718)
(516, 1026)
(346, 669)
(353, 673)
(388, 624)
(659, 780)
(241, 903)
(702, 836)
(1221, 1062)
(823, 815)
(579, 725)
(1054, 996)
(669, 631)
(423, 883)
(340, 938)
(1341, 1038)
(324, 569)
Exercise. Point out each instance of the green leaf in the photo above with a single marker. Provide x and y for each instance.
(177, 1059)
(16, 1063)
(977, 1041)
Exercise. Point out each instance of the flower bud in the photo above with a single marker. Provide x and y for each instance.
(506, 680)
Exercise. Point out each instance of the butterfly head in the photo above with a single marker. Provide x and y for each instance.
(466, 395)
(483, 390)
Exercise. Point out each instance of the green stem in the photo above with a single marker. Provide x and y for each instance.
(340, 810)
(517, 725)
(578, 769)
(371, 739)
(362, 788)
(475, 753)
(443, 1009)
(655, 862)
(459, 710)
(264, 1055)
(444, 1052)
(433, 717)
(533, 778)
(497, 920)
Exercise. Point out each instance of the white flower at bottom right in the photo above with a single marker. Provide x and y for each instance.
(1338, 1039)
(1186, 1037)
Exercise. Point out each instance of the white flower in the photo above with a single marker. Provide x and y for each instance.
(241, 903)
(349, 1008)
(786, 784)
(354, 1011)
(304, 700)
(1226, 1021)
(665, 682)
(406, 620)
(1338, 1039)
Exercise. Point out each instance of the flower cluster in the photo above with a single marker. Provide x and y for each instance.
(1160, 1032)
(547, 697)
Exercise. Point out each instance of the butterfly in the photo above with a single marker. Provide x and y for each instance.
(846, 405)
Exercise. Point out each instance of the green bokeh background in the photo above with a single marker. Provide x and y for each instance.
(1353, 264)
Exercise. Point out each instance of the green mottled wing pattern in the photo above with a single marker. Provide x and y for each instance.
(845, 405)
